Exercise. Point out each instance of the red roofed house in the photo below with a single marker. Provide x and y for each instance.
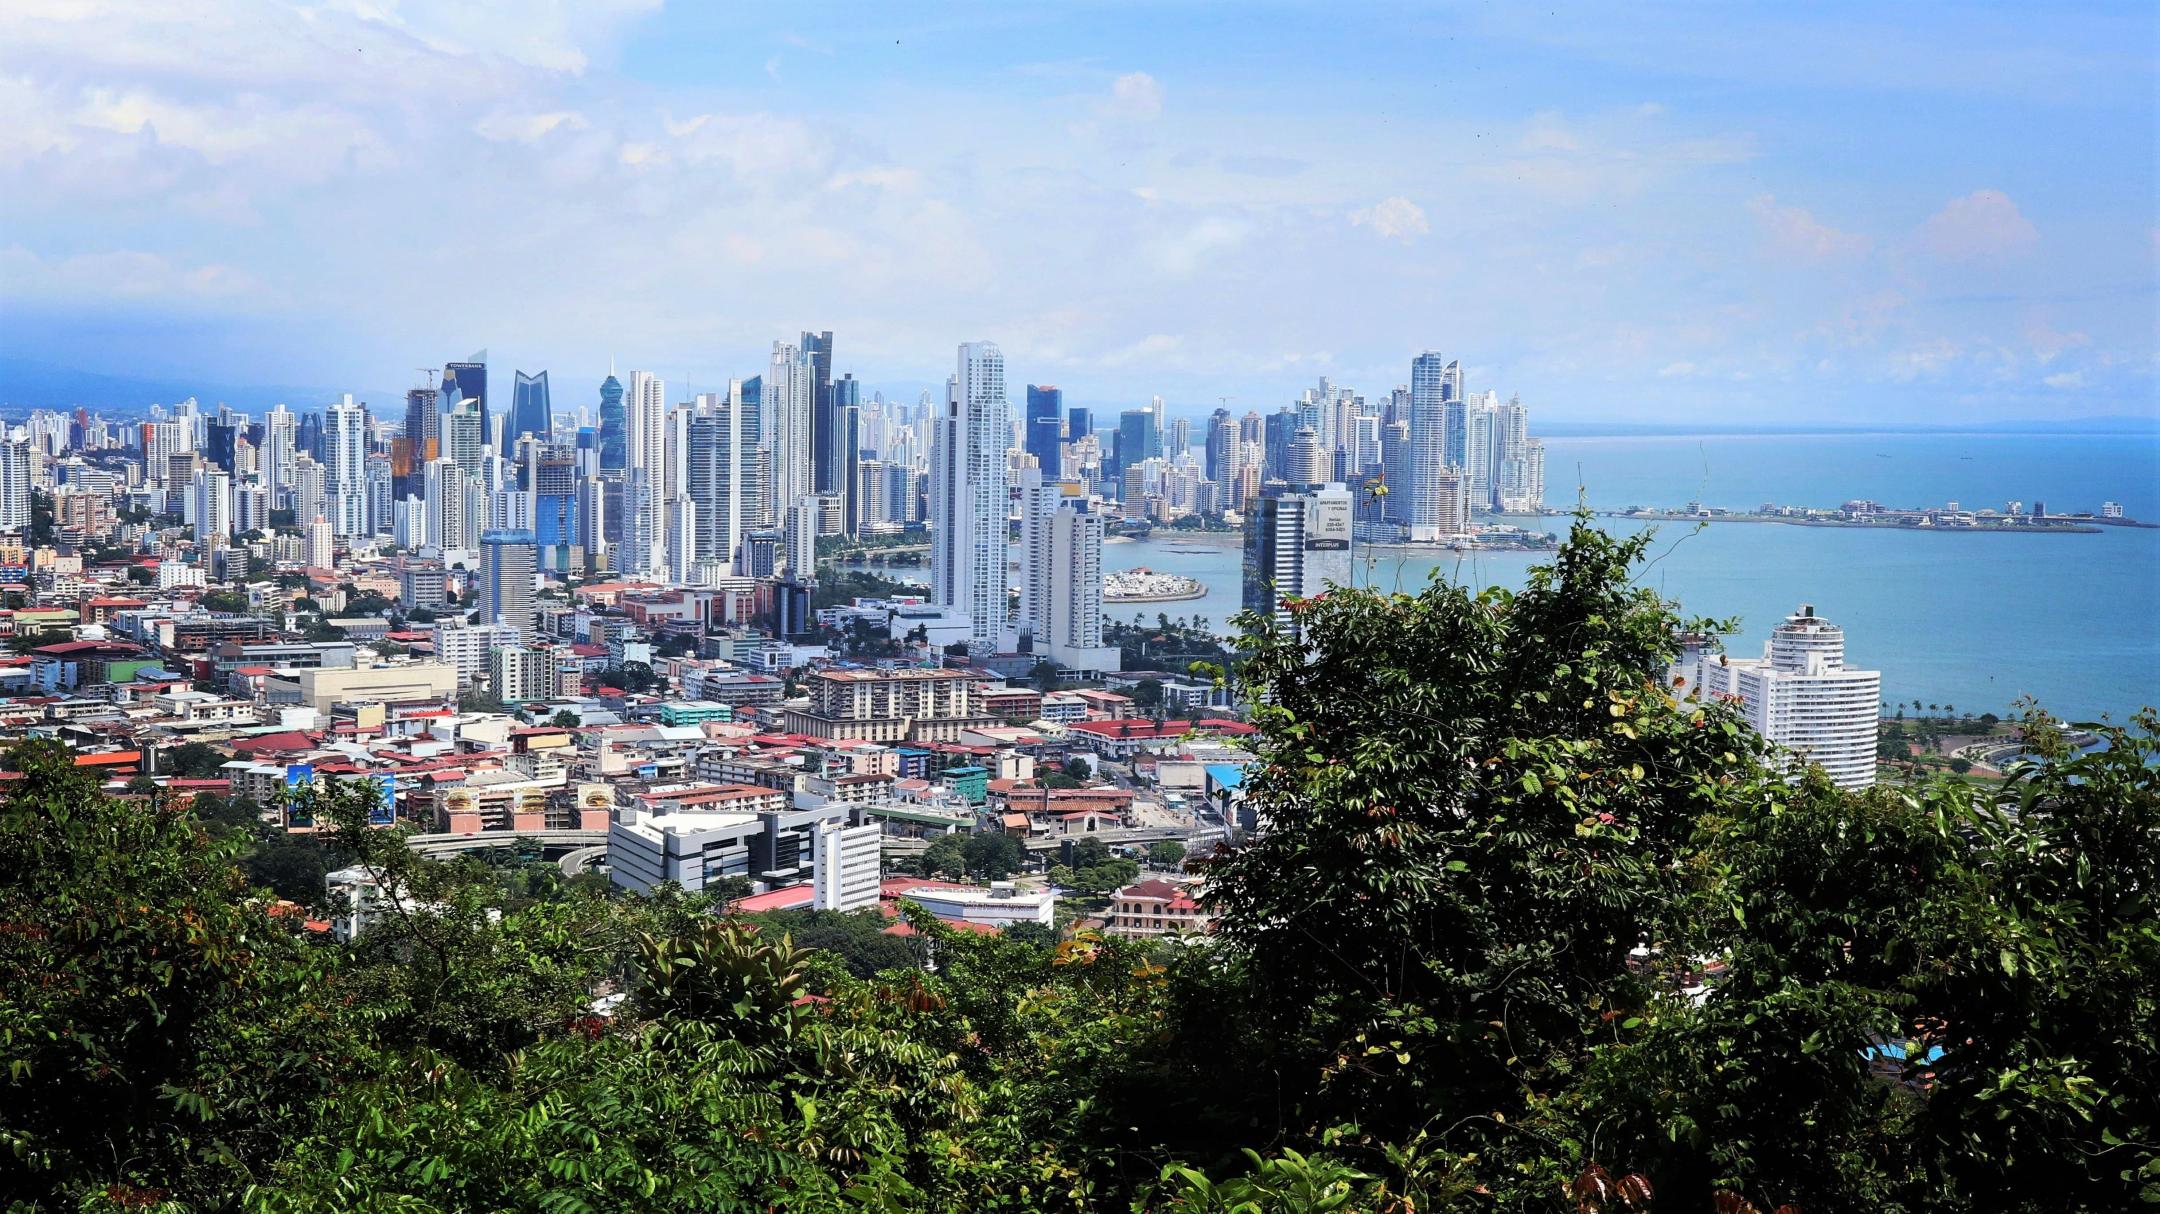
(1156, 907)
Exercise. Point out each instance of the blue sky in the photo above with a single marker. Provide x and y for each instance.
(1699, 212)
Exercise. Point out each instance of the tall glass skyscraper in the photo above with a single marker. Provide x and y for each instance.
(1137, 438)
(1046, 428)
(614, 426)
(469, 379)
(816, 350)
(529, 409)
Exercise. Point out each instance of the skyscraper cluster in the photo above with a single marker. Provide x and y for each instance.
(1009, 487)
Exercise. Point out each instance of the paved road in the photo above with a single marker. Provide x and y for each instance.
(548, 840)
(578, 863)
(1048, 843)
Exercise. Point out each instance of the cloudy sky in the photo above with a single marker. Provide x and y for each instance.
(1909, 211)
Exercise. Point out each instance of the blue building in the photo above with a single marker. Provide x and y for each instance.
(530, 412)
(1137, 438)
(1046, 428)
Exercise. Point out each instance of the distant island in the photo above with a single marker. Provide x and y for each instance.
(1867, 514)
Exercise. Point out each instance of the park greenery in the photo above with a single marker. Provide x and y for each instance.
(1523, 932)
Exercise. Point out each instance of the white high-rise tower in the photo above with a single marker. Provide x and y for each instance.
(1428, 447)
(788, 402)
(967, 491)
(1061, 592)
(279, 447)
(345, 445)
(645, 409)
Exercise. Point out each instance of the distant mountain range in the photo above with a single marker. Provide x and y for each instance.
(27, 385)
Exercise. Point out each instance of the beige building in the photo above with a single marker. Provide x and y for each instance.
(404, 683)
(889, 706)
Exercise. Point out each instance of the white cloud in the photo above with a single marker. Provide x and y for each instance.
(1794, 233)
(1396, 218)
(894, 178)
(128, 274)
(1135, 95)
(2048, 343)
(1180, 254)
(505, 126)
(1151, 349)
(1984, 225)
(1925, 359)
(2066, 379)
(568, 202)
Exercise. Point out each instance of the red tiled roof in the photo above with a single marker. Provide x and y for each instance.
(291, 739)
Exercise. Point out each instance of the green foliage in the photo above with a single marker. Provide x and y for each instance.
(231, 602)
(636, 677)
(946, 856)
(993, 855)
(1167, 854)
(368, 602)
(1107, 877)
(564, 719)
(154, 1032)
(1479, 804)
(1148, 693)
(194, 761)
(292, 867)
(856, 938)
(722, 974)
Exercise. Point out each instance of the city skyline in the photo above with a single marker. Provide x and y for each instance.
(1642, 219)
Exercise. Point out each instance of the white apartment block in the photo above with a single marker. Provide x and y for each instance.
(845, 873)
(1802, 696)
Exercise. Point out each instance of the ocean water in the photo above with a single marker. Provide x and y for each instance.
(1977, 621)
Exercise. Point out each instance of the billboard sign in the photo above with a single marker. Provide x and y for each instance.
(382, 809)
(298, 777)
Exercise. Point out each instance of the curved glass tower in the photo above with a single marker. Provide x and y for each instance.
(614, 427)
